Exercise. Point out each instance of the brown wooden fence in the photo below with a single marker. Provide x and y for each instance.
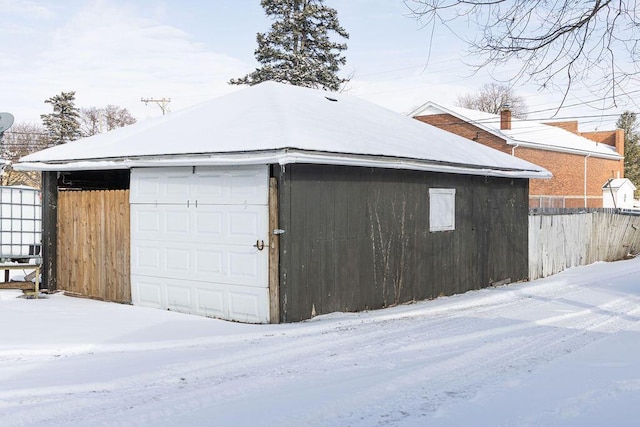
(93, 244)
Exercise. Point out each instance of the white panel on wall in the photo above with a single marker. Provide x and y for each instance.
(147, 221)
(243, 187)
(243, 265)
(178, 261)
(211, 299)
(146, 187)
(146, 257)
(442, 209)
(209, 225)
(209, 185)
(231, 185)
(175, 186)
(209, 261)
(244, 307)
(243, 223)
(210, 303)
(219, 224)
(176, 221)
(160, 185)
(146, 293)
(178, 298)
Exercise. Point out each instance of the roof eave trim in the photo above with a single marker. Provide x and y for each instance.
(283, 157)
(612, 156)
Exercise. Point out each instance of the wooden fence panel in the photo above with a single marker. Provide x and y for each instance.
(615, 236)
(558, 242)
(93, 244)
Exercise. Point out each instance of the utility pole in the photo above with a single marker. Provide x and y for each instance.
(163, 103)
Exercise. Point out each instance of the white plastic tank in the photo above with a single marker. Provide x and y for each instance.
(20, 222)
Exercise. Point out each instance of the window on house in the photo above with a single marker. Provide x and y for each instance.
(442, 209)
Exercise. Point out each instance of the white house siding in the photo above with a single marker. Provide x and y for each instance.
(193, 240)
(618, 193)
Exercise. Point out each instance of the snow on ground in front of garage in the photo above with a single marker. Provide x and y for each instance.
(558, 351)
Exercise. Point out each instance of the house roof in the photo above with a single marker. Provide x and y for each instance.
(277, 123)
(525, 133)
(619, 182)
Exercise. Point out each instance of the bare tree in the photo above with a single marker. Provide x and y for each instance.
(20, 140)
(90, 121)
(117, 117)
(556, 43)
(491, 97)
(95, 120)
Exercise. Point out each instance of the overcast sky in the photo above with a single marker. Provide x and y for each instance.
(117, 52)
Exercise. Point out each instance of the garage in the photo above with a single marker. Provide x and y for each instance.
(279, 203)
(198, 240)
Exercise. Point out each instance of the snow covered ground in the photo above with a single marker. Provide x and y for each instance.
(562, 351)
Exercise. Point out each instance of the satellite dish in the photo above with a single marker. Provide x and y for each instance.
(6, 120)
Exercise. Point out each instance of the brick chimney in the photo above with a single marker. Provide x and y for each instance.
(620, 141)
(614, 138)
(505, 118)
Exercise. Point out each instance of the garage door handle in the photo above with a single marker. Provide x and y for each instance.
(259, 244)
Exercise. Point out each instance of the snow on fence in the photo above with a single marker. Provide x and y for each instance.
(559, 241)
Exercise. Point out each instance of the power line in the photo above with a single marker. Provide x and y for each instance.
(580, 104)
(163, 103)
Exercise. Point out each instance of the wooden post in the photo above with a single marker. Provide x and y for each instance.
(37, 287)
(49, 229)
(274, 254)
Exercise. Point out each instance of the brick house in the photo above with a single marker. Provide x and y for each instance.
(581, 162)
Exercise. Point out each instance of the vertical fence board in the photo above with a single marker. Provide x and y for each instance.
(274, 254)
(93, 242)
(558, 242)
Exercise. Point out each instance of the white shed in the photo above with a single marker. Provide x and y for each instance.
(618, 193)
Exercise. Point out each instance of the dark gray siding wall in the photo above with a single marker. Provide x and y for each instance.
(358, 238)
(49, 230)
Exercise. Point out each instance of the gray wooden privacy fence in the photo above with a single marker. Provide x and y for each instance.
(561, 241)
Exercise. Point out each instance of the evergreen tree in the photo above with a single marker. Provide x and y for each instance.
(297, 49)
(629, 123)
(63, 124)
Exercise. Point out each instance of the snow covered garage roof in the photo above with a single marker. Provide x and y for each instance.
(277, 123)
(524, 133)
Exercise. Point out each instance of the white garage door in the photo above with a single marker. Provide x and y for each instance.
(193, 241)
